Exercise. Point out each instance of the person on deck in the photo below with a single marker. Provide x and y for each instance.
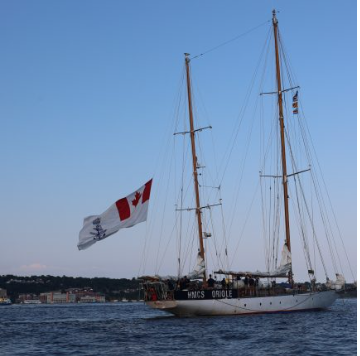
(210, 282)
(223, 283)
(170, 285)
(182, 283)
(251, 285)
(246, 281)
(257, 285)
(187, 282)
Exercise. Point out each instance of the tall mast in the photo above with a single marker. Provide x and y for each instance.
(282, 135)
(194, 159)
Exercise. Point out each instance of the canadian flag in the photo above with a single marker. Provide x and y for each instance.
(126, 212)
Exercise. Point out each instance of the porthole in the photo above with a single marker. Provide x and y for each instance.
(244, 305)
(270, 303)
(280, 302)
(260, 303)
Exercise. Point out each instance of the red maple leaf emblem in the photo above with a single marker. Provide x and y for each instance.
(135, 202)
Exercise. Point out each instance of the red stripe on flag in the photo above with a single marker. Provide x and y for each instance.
(123, 208)
(146, 192)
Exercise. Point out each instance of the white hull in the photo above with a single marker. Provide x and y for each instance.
(247, 305)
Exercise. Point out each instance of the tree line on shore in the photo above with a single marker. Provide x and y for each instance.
(112, 288)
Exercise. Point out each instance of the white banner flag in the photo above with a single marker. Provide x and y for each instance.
(126, 212)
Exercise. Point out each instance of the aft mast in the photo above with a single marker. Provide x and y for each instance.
(282, 135)
(194, 159)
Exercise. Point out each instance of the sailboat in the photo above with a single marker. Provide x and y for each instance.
(242, 292)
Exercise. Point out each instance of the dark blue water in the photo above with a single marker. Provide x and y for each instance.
(133, 329)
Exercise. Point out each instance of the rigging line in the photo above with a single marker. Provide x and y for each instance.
(163, 216)
(301, 228)
(277, 226)
(297, 181)
(313, 228)
(262, 140)
(305, 245)
(327, 193)
(190, 231)
(223, 246)
(322, 206)
(261, 89)
(219, 261)
(270, 141)
(168, 243)
(216, 180)
(269, 235)
(150, 226)
(322, 213)
(185, 151)
(269, 258)
(300, 219)
(236, 130)
(186, 242)
(312, 216)
(274, 251)
(231, 40)
(290, 72)
(191, 241)
(278, 168)
(246, 219)
(327, 224)
(166, 248)
(224, 232)
(264, 214)
(242, 167)
(189, 184)
(181, 204)
(265, 149)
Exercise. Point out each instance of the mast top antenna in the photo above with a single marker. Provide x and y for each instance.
(274, 17)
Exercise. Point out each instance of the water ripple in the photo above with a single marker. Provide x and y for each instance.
(132, 328)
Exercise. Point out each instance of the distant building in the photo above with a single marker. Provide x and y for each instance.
(95, 298)
(3, 293)
(57, 298)
(72, 296)
(27, 297)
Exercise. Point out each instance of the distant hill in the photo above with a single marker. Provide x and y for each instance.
(113, 288)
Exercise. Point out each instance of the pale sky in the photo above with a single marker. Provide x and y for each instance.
(87, 95)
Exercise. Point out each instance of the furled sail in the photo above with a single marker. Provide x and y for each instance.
(338, 284)
(281, 271)
(197, 273)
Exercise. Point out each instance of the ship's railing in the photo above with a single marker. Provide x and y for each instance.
(158, 290)
(154, 291)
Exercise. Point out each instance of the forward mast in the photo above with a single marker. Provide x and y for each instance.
(194, 162)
